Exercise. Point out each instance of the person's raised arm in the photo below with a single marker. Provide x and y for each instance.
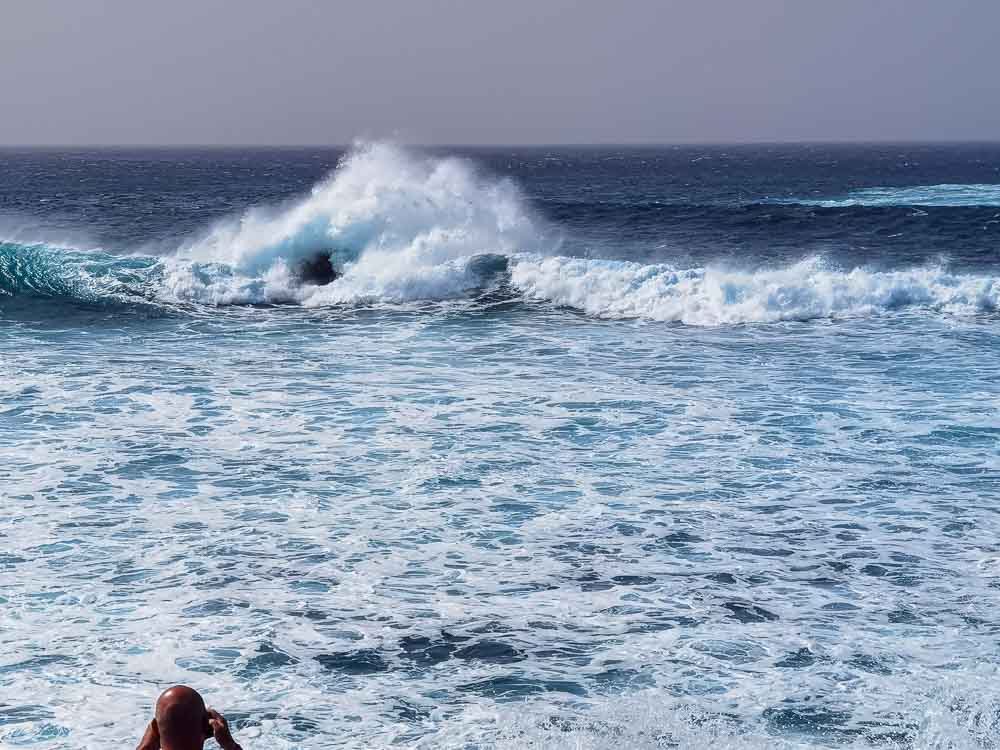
(220, 730)
(151, 739)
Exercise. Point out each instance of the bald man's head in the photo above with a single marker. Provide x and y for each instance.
(182, 719)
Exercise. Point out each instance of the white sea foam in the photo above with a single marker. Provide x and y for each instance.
(598, 500)
(705, 296)
(713, 296)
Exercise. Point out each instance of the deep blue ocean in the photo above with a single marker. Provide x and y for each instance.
(677, 447)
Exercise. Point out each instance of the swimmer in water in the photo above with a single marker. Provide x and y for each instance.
(183, 723)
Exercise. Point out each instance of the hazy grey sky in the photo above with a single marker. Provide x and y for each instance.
(506, 71)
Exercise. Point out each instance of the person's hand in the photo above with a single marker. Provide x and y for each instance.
(151, 739)
(220, 730)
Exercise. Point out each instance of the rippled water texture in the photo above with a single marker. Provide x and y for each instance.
(500, 518)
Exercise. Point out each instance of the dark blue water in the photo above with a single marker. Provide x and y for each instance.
(708, 203)
(581, 448)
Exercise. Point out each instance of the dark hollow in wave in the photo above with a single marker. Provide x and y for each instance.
(317, 270)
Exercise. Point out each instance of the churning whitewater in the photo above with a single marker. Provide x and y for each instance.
(501, 449)
(400, 228)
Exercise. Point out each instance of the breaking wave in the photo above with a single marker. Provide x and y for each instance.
(396, 227)
(43, 271)
(806, 290)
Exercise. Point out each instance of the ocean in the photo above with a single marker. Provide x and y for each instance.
(668, 447)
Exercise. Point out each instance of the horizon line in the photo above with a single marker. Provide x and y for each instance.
(569, 144)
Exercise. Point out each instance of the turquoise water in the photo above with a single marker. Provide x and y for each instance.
(537, 509)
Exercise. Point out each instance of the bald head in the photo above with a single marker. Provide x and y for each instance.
(182, 719)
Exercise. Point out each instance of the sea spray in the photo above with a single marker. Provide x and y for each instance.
(399, 226)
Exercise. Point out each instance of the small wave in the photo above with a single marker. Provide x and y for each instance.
(43, 271)
(710, 297)
(947, 195)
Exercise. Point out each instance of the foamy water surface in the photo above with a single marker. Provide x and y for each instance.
(495, 486)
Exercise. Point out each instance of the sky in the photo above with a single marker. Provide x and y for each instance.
(227, 72)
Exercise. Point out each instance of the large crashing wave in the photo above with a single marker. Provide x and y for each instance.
(400, 227)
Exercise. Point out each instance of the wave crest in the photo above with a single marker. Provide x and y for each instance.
(398, 227)
(38, 270)
(710, 297)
